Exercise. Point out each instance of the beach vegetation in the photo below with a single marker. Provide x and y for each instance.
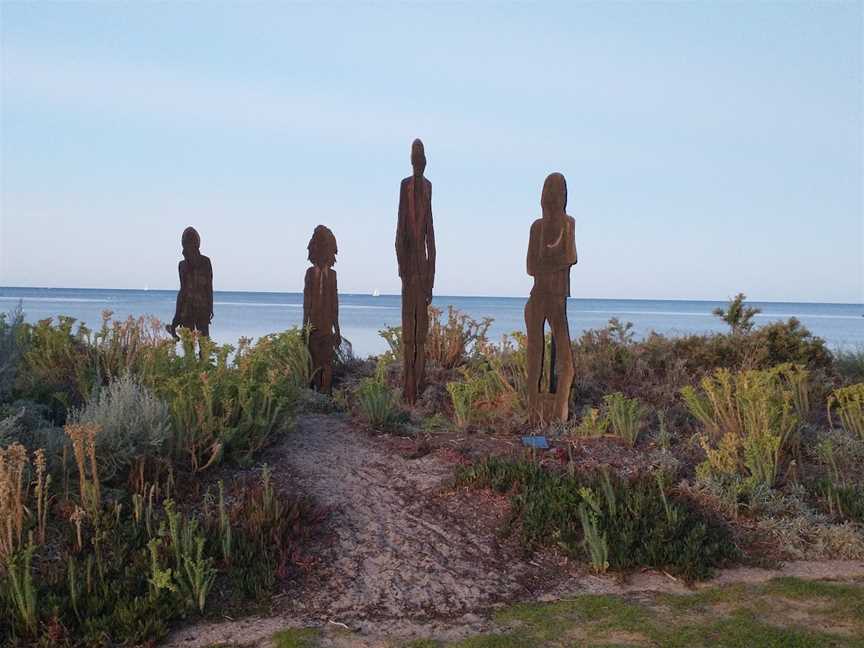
(737, 314)
(616, 522)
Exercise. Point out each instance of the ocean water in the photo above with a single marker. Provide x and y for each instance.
(253, 314)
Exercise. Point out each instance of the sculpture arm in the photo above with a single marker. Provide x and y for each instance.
(531, 257)
(570, 254)
(307, 297)
(335, 313)
(180, 294)
(400, 230)
(430, 246)
(210, 289)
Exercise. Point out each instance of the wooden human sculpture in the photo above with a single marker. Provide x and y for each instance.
(415, 252)
(194, 309)
(321, 307)
(551, 252)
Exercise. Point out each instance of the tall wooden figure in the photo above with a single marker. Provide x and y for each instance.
(551, 252)
(321, 307)
(415, 252)
(194, 309)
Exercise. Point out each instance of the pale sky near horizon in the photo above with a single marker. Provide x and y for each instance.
(709, 147)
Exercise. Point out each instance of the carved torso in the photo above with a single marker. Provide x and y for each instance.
(551, 252)
(415, 255)
(320, 291)
(196, 286)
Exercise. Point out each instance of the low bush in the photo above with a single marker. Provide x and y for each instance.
(748, 420)
(624, 415)
(454, 343)
(133, 423)
(11, 349)
(377, 402)
(479, 396)
(118, 571)
(848, 403)
(849, 364)
(457, 342)
(626, 523)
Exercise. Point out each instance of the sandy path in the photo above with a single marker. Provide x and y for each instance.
(400, 563)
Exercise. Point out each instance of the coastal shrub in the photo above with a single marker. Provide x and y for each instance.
(232, 409)
(624, 416)
(630, 523)
(29, 423)
(509, 361)
(657, 367)
(11, 349)
(592, 424)
(393, 337)
(737, 315)
(454, 343)
(457, 341)
(849, 364)
(848, 404)
(118, 574)
(842, 495)
(57, 368)
(63, 362)
(748, 420)
(478, 396)
(377, 402)
(133, 423)
(134, 345)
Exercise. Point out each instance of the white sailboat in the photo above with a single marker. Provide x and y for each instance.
(376, 293)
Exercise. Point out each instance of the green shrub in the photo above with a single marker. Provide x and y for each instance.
(748, 421)
(378, 403)
(478, 396)
(738, 316)
(592, 424)
(454, 343)
(624, 415)
(134, 424)
(457, 342)
(57, 367)
(643, 525)
(848, 402)
(849, 363)
(11, 349)
(509, 361)
(232, 409)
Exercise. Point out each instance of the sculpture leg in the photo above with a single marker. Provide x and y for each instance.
(409, 346)
(318, 352)
(534, 318)
(421, 314)
(563, 357)
(321, 350)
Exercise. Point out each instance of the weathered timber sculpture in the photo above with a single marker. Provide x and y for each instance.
(194, 308)
(321, 307)
(415, 252)
(551, 252)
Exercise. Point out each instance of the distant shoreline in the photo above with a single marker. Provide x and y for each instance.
(445, 296)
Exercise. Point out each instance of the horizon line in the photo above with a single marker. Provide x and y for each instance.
(353, 294)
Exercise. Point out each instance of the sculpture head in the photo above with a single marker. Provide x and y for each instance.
(191, 243)
(418, 157)
(553, 200)
(322, 247)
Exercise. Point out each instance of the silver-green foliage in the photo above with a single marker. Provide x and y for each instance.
(134, 423)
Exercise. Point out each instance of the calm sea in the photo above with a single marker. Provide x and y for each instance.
(252, 314)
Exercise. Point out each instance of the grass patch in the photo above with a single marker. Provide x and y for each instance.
(296, 638)
(734, 616)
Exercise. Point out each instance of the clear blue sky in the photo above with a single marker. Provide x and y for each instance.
(709, 147)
